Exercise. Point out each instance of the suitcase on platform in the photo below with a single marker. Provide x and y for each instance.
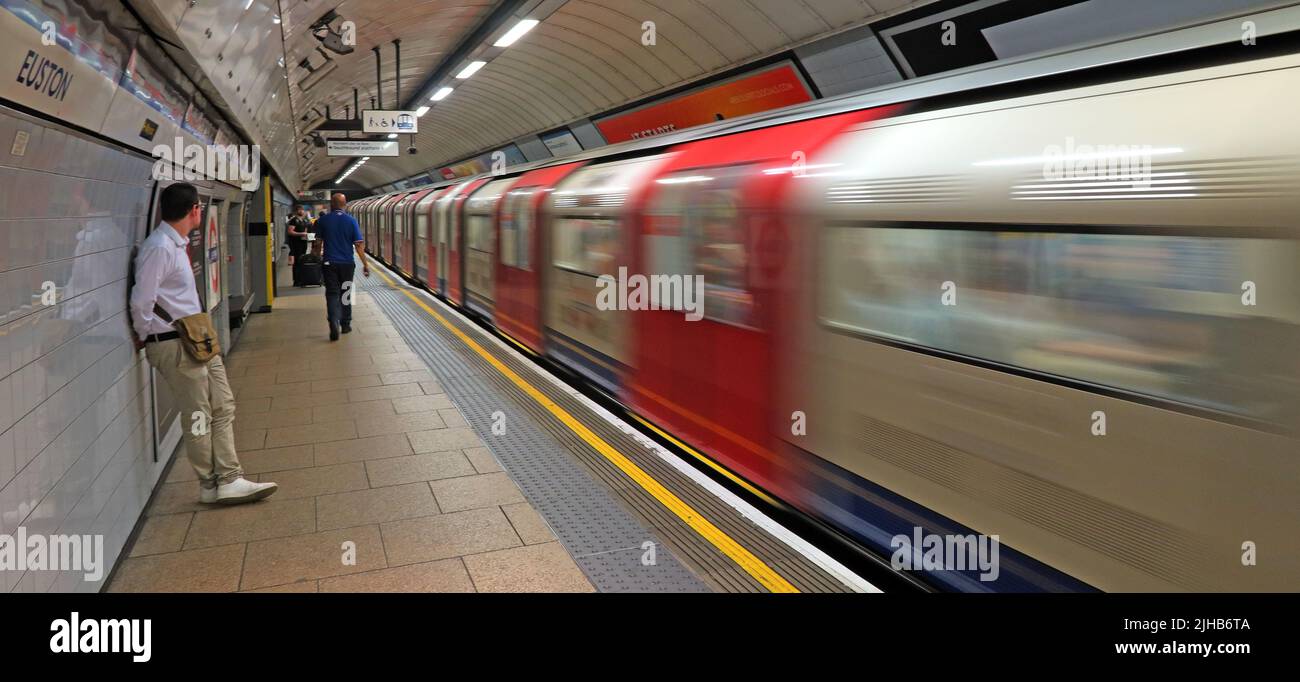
(307, 270)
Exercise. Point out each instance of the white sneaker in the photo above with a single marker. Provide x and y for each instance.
(242, 490)
(208, 495)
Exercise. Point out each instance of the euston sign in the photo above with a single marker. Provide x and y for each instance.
(382, 121)
(42, 75)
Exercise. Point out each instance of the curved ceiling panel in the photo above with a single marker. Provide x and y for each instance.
(584, 58)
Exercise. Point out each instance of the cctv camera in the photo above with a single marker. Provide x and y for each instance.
(411, 149)
(334, 42)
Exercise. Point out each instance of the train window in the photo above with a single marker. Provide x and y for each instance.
(1159, 315)
(478, 232)
(509, 240)
(516, 223)
(586, 245)
(696, 229)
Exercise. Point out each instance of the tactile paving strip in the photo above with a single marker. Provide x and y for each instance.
(571, 484)
(603, 538)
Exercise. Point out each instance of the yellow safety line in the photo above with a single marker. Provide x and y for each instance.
(517, 343)
(737, 553)
(708, 462)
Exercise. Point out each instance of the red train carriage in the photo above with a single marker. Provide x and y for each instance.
(589, 234)
(712, 233)
(518, 305)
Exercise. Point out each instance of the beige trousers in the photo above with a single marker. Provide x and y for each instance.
(207, 408)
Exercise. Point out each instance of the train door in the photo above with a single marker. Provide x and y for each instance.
(401, 251)
(444, 213)
(517, 309)
(587, 319)
(386, 229)
(422, 219)
(442, 245)
(451, 207)
(359, 212)
(480, 216)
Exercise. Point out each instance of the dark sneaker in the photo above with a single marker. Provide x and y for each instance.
(347, 329)
(334, 332)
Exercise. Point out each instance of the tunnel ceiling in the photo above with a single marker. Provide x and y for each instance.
(429, 31)
(587, 57)
(584, 58)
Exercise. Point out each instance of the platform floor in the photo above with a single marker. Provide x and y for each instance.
(367, 449)
(393, 478)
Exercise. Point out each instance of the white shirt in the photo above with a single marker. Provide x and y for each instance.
(163, 275)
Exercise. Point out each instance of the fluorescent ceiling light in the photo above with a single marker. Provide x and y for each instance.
(392, 136)
(524, 26)
(421, 111)
(470, 70)
(441, 94)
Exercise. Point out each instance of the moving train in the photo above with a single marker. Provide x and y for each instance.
(1062, 309)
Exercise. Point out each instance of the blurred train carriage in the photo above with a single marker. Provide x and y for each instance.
(971, 342)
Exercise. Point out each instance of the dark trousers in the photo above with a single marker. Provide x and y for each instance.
(338, 303)
(297, 247)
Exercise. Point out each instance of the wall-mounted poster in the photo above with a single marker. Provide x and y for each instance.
(214, 260)
(769, 88)
(199, 256)
(561, 142)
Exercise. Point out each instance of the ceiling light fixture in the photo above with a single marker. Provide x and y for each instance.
(470, 70)
(441, 94)
(421, 111)
(524, 26)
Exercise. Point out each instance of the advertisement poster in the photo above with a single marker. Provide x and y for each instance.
(214, 261)
(197, 257)
(771, 88)
(562, 143)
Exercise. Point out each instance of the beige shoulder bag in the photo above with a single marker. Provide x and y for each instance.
(197, 335)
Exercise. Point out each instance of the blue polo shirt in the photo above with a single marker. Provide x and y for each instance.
(339, 232)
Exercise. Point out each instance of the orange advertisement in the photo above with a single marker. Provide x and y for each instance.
(771, 88)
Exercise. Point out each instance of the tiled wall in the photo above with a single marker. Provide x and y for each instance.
(76, 441)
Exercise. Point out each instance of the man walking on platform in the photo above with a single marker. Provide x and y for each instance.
(342, 237)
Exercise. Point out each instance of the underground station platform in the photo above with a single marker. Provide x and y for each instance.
(386, 440)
